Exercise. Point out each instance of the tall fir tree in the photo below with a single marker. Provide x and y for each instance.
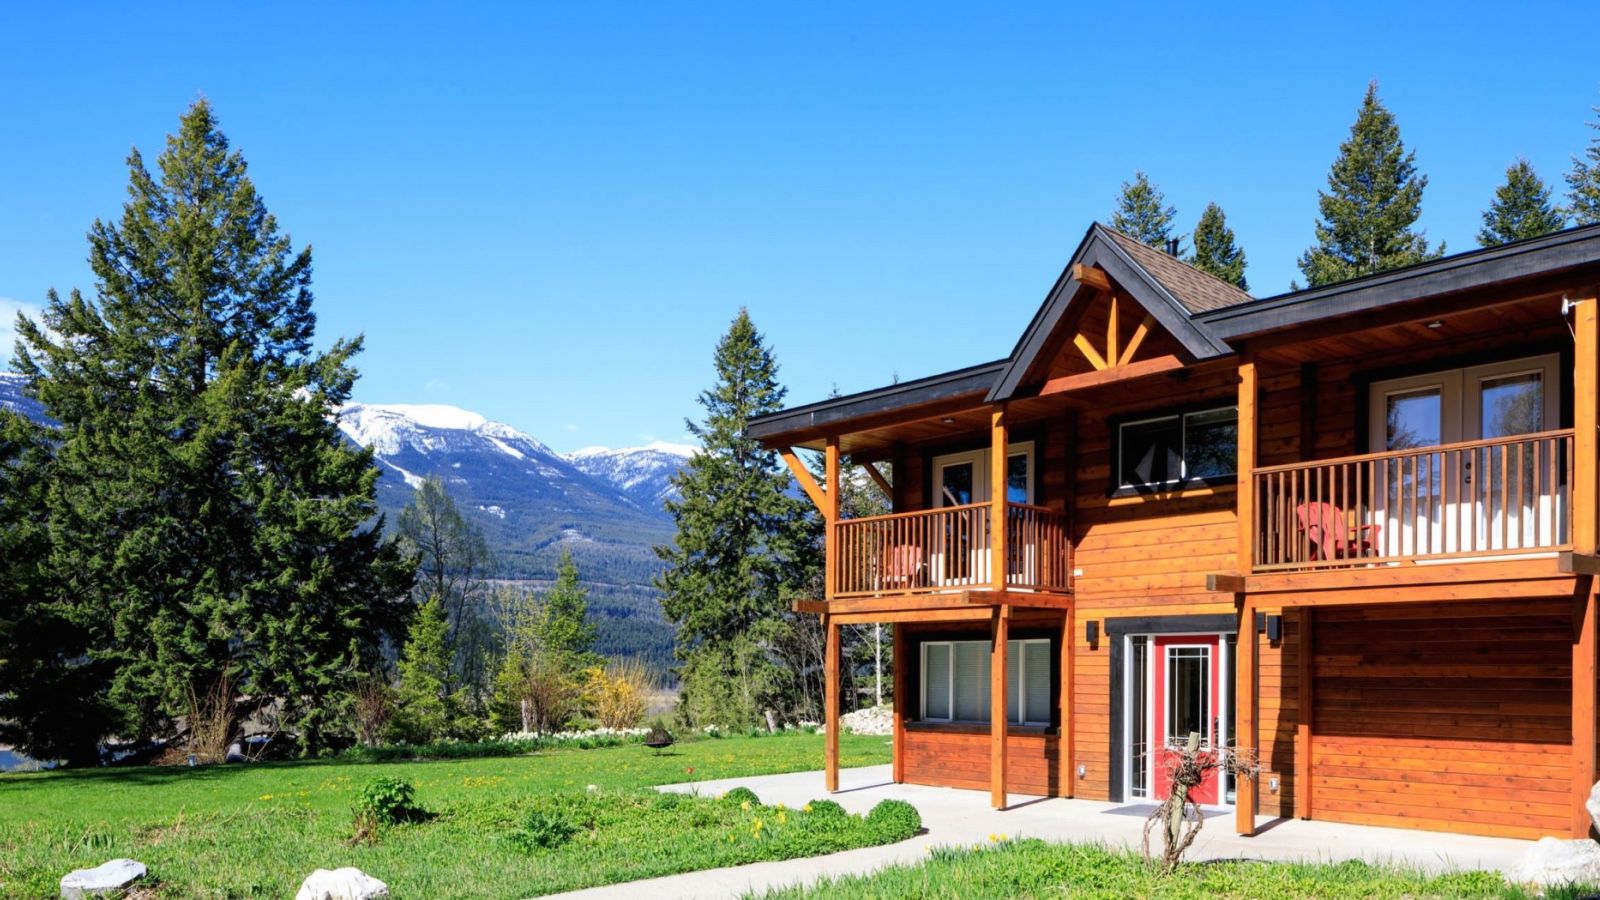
(741, 548)
(567, 630)
(1583, 182)
(1374, 198)
(1215, 250)
(208, 522)
(1521, 209)
(1142, 212)
(422, 701)
(453, 565)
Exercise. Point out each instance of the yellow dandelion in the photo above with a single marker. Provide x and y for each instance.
(806, 808)
(782, 817)
(992, 838)
(745, 806)
(266, 796)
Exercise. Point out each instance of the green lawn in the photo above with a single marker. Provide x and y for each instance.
(256, 831)
(1031, 868)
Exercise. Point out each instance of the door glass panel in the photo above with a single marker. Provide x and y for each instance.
(1139, 716)
(956, 484)
(1413, 419)
(1188, 693)
(1210, 443)
(1512, 405)
(1231, 645)
(1017, 479)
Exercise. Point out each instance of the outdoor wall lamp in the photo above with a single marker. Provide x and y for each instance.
(1091, 633)
(1274, 628)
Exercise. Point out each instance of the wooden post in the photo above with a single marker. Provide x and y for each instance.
(1585, 422)
(902, 702)
(830, 700)
(1583, 705)
(1001, 628)
(1245, 705)
(1068, 752)
(1247, 464)
(997, 497)
(830, 517)
(1302, 734)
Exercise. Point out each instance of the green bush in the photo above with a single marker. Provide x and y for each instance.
(895, 820)
(825, 809)
(389, 800)
(742, 795)
(543, 830)
(668, 800)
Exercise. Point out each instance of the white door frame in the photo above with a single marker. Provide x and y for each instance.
(1221, 694)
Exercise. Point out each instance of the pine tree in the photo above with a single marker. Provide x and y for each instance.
(208, 522)
(1521, 209)
(1142, 212)
(422, 709)
(741, 543)
(1215, 250)
(453, 564)
(566, 629)
(1374, 198)
(1583, 183)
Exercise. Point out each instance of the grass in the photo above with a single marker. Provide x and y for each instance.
(1033, 868)
(257, 831)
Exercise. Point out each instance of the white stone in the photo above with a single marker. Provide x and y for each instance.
(1552, 862)
(106, 880)
(869, 720)
(341, 884)
(1593, 805)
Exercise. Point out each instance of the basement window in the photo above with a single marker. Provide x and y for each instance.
(955, 681)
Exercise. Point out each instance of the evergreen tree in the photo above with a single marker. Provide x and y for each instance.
(209, 524)
(1142, 212)
(422, 708)
(1374, 198)
(453, 562)
(1583, 183)
(1521, 209)
(566, 629)
(741, 547)
(1215, 251)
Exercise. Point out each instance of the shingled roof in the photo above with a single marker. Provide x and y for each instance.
(1198, 291)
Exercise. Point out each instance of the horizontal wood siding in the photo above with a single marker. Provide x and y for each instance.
(1449, 717)
(961, 760)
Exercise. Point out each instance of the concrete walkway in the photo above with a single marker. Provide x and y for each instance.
(962, 817)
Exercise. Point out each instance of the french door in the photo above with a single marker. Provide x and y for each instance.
(958, 556)
(1504, 504)
(1178, 685)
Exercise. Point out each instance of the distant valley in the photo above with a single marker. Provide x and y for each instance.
(605, 505)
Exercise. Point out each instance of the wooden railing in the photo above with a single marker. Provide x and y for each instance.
(1498, 497)
(949, 550)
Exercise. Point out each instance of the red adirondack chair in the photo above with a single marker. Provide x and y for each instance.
(1330, 534)
(902, 567)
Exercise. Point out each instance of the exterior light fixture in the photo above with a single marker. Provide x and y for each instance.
(1091, 633)
(1274, 628)
(947, 420)
(1436, 323)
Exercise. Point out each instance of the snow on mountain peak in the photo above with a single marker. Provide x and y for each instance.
(389, 426)
(667, 447)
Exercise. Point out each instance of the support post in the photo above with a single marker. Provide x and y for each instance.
(1068, 751)
(1245, 705)
(1583, 704)
(902, 703)
(1302, 734)
(830, 517)
(1001, 628)
(1247, 464)
(998, 460)
(1585, 426)
(830, 700)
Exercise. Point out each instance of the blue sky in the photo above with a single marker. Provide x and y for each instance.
(548, 214)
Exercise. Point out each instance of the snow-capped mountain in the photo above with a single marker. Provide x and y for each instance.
(643, 473)
(12, 398)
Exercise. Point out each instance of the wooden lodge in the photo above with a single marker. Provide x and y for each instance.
(1352, 528)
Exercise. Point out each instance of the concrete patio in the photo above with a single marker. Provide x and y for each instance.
(953, 816)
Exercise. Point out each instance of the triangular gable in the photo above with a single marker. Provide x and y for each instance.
(1165, 289)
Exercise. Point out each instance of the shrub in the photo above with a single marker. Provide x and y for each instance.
(389, 801)
(619, 694)
(543, 830)
(826, 809)
(668, 800)
(894, 820)
(742, 795)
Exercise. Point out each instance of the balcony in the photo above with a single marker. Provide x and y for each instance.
(1487, 499)
(948, 550)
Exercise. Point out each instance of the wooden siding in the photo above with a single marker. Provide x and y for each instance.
(961, 759)
(1452, 717)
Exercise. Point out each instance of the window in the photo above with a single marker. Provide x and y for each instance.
(1177, 448)
(955, 681)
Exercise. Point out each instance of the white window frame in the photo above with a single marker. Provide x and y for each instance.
(1183, 446)
(1018, 646)
(980, 471)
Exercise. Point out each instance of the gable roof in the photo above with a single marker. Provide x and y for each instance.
(1169, 289)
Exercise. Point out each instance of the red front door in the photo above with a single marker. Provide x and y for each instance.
(1184, 699)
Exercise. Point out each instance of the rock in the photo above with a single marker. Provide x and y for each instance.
(1593, 805)
(1553, 862)
(870, 720)
(106, 880)
(341, 884)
